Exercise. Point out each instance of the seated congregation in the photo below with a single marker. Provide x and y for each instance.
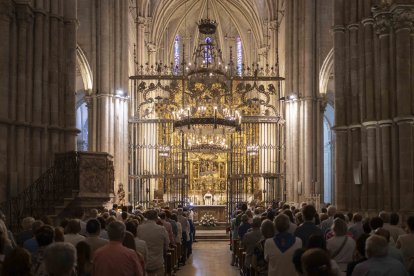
(284, 240)
(154, 243)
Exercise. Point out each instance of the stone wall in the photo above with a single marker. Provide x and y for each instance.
(374, 82)
(37, 88)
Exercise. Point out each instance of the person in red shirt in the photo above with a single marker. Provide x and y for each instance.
(114, 258)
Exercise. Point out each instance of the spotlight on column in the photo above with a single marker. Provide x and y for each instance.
(120, 92)
(292, 97)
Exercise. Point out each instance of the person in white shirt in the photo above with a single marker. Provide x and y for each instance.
(341, 247)
(156, 238)
(72, 232)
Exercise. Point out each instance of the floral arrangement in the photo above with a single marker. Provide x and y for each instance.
(208, 220)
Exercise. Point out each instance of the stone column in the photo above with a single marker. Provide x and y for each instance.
(309, 97)
(340, 105)
(383, 27)
(5, 20)
(402, 17)
(37, 88)
(70, 63)
(23, 14)
(51, 101)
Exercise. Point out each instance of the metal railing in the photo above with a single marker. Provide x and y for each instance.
(47, 192)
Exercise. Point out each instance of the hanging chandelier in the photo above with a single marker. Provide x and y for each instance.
(204, 98)
(208, 115)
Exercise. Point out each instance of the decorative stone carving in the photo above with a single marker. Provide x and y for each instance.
(6, 10)
(152, 48)
(141, 21)
(383, 23)
(95, 174)
(403, 18)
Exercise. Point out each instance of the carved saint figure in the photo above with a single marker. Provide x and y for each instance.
(121, 194)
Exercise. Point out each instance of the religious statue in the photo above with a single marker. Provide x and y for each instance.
(121, 194)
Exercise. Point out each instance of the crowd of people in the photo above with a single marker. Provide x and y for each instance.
(112, 242)
(281, 240)
(285, 240)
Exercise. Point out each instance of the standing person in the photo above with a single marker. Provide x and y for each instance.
(259, 263)
(278, 251)
(60, 259)
(84, 259)
(393, 227)
(157, 241)
(140, 245)
(190, 237)
(93, 228)
(168, 227)
(44, 236)
(114, 258)
(340, 246)
(379, 263)
(17, 262)
(72, 231)
(357, 228)
(316, 262)
(244, 227)
(27, 232)
(178, 238)
(185, 233)
(406, 244)
(308, 227)
(250, 240)
(327, 224)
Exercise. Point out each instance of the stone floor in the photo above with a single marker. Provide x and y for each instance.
(209, 258)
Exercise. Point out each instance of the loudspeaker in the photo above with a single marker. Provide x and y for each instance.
(357, 173)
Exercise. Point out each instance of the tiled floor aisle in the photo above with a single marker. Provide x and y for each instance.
(209, 259)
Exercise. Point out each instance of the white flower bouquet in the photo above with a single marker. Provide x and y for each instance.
(208, 220)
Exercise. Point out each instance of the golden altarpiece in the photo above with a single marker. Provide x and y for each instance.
(205, 132)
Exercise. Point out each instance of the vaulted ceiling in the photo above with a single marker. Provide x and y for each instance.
(236, 18)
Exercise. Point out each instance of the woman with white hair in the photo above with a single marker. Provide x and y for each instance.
(340, 246)
(60, 259)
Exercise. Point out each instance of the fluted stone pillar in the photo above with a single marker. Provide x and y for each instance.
(5, 20)
(108, 101)
(340, 105)
(403, 26)
(374, 119)
(70, 63)
(23, 18)
(383, 28)
(301, 113)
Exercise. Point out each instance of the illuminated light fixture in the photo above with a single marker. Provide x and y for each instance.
(164, 151)
(292, 97)
(252, 150)
(207, 115)
(120, 92)
(206, 143)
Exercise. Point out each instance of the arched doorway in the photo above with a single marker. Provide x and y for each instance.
(326, 88)
(83, 87)
(328, 154)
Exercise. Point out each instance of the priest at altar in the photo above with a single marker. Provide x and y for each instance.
(208, 198)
